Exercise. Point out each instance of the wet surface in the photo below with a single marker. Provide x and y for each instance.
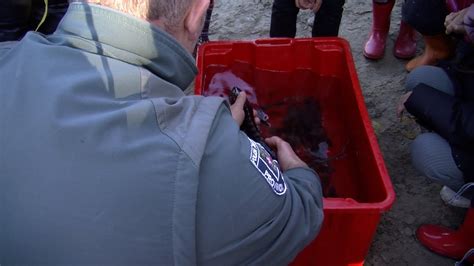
(296, 119)
(302, 128)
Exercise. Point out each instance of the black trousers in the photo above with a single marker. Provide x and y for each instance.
(20, 16)
(426, 16)
(205, 30)
(326, 20)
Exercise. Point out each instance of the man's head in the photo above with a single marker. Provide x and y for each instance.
(183, 19)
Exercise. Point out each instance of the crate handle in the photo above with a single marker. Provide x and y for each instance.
(275, 42)
(340, 202)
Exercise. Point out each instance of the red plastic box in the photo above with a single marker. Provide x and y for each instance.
(322, 68)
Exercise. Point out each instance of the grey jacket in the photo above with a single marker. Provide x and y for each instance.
(104, 160)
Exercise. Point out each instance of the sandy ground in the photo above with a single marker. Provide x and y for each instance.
(382, 83)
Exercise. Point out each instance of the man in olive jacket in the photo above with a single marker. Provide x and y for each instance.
(104, 160)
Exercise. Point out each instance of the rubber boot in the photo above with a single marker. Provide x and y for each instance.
(375, 45)
(436, 48)
(405, 45)
(447, 242)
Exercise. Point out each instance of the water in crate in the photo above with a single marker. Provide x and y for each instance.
(296, 118)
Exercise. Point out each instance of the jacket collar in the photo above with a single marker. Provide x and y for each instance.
(104, 31)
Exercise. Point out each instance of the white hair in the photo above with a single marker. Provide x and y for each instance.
(171, 12)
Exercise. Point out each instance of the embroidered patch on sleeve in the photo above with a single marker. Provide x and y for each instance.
(268, 167)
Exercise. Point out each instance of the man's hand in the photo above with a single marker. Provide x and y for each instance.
(287, 158)
(401, 103)
(314, 5)
(237, 109)
(454, 22)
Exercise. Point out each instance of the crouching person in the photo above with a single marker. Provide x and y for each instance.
(441, 98)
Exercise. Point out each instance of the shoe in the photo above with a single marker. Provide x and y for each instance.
(405, 45)
(375, 45)
(437, 47)
(447, 242)
(449, 197)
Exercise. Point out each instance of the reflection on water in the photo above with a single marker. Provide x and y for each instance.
(221, 84)
(295, 113)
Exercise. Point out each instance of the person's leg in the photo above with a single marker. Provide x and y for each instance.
(427, 17)
(438, 79)
(405, 45)
(434, 77)
(14, 17)
(375, 46)
(204, 37)
(205, 30)
(283, 21)
(431, 155)
(328, 18)
(448, 242)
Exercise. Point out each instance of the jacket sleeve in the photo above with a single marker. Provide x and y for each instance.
(240, 218)
(5, 47)
(447, 115)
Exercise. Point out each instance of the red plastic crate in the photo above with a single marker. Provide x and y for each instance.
(322, 68)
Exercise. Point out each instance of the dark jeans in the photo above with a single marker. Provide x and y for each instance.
(326, 20)
(20, 16)
(426, 16)
(205, 30)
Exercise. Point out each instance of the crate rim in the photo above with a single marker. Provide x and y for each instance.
(333, 205)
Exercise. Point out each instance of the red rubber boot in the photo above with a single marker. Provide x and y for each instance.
(447, 242)
(375, 46)
(405, 46)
